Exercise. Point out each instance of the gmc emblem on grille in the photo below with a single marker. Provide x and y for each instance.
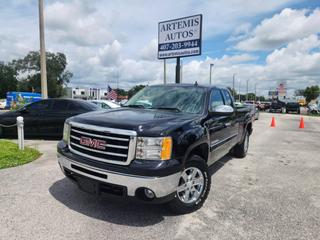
(93, 143)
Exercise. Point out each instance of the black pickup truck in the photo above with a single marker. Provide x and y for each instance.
(158, 147)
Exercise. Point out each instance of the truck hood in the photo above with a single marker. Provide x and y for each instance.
(147, 122)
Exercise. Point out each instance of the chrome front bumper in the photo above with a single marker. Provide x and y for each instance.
(161, 186)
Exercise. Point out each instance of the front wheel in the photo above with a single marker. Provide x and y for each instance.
(193, 187)
(241, 149)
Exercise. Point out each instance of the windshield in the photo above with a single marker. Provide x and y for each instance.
(177, 98)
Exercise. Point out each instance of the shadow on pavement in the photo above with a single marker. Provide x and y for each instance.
(114, 210)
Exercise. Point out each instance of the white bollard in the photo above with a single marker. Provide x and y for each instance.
(20, 132)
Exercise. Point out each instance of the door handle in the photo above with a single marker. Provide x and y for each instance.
(228, 124)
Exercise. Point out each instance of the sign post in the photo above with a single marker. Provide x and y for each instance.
(180, 38)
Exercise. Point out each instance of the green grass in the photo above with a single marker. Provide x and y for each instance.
(11, 156)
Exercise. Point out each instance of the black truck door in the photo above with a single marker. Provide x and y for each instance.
(217, 127)
(232, 123)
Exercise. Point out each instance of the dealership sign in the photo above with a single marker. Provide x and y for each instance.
(180, 37)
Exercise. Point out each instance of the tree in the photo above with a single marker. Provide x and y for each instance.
(8, 81)
(121, 92)
(311, 93)
(29, 68)
(261, 98)
(134, 90)
(251, 96)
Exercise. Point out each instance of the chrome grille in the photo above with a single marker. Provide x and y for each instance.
(102, 144)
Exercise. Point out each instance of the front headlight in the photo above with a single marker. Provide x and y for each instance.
(66, 132)
(154, 148)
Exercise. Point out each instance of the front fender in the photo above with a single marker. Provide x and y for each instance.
(193, 139)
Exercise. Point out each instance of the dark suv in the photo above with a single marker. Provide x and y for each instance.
(275, 107)
(293, 107)
(158, 147)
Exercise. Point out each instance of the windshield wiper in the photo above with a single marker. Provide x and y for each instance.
(167, 108)
(134, 106)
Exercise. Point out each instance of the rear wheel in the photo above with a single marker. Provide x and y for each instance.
(193, 188)
(241, 149)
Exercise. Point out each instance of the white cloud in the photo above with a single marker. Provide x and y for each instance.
(297, 65)
(110, 54)
(149, 52)
(240, 58)
(241, 32)
(115, 42)
(282, 28)
(299, 60)
(76, 22)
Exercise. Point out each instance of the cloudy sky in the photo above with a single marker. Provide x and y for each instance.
(265, 42)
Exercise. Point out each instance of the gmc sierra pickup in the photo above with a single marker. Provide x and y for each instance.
(158, 147)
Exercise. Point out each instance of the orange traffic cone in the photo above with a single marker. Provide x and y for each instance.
(301, 123)
(273, 122)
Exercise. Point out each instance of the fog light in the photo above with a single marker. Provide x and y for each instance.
(149, 193)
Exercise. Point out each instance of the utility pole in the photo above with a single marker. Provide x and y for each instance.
(211, 65)
(233, 89)
(164, 71)
(255, 92)
(247, 89)
(239, 91)
(181, 71)
(43, 67)
(178, 70)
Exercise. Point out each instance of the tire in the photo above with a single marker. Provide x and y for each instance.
(241, 149)
(180, 206)
(1, 132)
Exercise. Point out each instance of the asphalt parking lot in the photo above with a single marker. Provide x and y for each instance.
(274, 193)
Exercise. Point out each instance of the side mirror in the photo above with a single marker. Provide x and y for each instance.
(222, 110)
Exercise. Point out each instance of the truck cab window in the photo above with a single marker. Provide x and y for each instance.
(215, 99)
(39, 106)
(227, 97)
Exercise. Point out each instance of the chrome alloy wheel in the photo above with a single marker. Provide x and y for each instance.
(191, 185)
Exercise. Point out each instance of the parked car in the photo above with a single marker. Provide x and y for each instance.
(275, 107)
(44, 118)
(314, 108)
(158, 147)
(261, 106)
(267, 106)
(293, 107)
(105, 104)
(3, 103)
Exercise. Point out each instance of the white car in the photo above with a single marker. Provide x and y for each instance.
(3, 103)
(105, 104)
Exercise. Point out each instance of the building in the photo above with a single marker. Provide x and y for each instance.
(90, 94)
(86, 93)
